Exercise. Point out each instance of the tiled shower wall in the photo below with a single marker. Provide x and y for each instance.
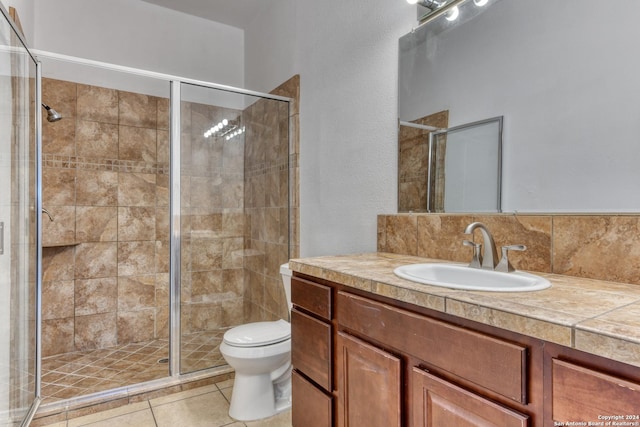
(105, 183)
(604, 247)
(271, 171)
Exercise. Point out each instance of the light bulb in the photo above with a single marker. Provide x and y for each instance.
(480, 2)
(225, 122)
(412, 1)
(452, 15)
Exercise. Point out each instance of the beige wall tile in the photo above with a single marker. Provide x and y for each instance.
(136, 326)
(95, 331)
(162, 256)
(97, 104)
(62, 230)
(59, 137)
(402, 234)
(57, 336)
(207, 286)
(94, 296)
(96, 140)
(441, 236)
(136, 258)
(136, 223)
(136, 189)
(96, 224)
(55, 299)
(136, 143)
(97, 188)
(60, 95)
(94, 260)
(598, 246)
(59, 187)
(206, 254)
(58, 263)
(138, 110)
(164, 113)
(136, 292)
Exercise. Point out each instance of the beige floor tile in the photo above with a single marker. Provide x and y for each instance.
(281, 420)
(183, 395)
(60, 424)
(206, 410)
(135, 419)
(108, 414)
(225, 384)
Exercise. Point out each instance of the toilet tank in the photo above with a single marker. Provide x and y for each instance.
(286, 273)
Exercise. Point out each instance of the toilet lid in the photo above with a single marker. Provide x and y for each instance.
(258, 334)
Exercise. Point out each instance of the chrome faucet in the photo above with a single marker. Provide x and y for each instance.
(489, 258)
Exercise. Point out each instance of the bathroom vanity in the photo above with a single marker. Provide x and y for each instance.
(372, 349)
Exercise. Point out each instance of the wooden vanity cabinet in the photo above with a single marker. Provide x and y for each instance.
(361, 359)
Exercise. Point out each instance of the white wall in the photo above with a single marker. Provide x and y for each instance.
(346, 53)
(142, 35)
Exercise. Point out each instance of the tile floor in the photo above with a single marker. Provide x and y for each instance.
(201, 407)
(84, 372)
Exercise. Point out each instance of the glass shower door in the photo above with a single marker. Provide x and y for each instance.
(18, 232)
(234, 216)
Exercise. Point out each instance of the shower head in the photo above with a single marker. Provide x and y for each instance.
(52, 115)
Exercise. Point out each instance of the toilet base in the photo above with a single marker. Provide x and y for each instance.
(266, 397)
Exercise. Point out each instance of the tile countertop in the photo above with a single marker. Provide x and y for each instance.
(594, 316)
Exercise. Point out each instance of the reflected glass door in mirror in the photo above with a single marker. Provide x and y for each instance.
(563, 76)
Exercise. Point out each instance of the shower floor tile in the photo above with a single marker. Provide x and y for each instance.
(70, 375)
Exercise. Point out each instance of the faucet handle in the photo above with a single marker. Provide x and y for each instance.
(504, 265)
(476, 262)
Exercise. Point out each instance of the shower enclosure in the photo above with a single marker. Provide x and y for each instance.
(168, 216)
(18, 227)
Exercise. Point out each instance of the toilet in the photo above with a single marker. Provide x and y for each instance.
(260, 353)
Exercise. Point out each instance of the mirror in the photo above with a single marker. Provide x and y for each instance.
(565, 80)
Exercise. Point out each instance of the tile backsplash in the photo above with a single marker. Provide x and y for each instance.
(603, 246)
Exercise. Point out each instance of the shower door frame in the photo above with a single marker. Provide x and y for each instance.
(175, 82)
(37, 206)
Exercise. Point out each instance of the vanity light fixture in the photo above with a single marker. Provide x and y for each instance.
(448, 8)
(452, 14)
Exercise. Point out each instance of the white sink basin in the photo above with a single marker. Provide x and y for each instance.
(459, 276)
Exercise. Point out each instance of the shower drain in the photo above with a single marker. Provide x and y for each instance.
(163, 360)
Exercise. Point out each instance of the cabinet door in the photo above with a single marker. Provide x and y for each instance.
(311, 407)
(582, 394)
(369, 385)
(438, 403)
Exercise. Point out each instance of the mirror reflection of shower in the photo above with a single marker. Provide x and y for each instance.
(52, 115)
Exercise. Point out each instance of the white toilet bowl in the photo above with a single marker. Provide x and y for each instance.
(260, 353)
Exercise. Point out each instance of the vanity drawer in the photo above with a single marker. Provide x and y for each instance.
(312, 297)
(311, 348)
(580, 393)
(311, 406)
(489, 362)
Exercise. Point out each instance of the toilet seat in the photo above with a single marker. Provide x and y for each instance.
(258, 334)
